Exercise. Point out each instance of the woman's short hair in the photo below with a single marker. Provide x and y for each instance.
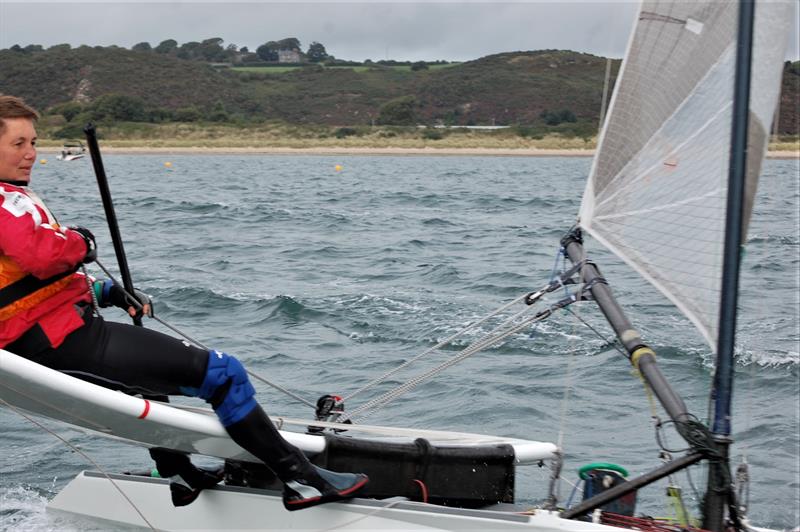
(13, 107)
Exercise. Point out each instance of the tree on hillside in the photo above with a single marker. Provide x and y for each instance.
(213, 42)
(316, 52)
(118, 107)
(290, 43)
(268, 51)
(398, 112)
(419, 65)
(166, 47)
(142, 47)
(64, 47)
(189, 50)
(68, 110)
(211, 50)
(218, 113)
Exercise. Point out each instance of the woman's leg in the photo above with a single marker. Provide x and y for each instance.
(305, 484)
(228, 389)
(122, 357)
(138, 360)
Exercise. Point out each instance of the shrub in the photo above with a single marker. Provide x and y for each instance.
(71, 131)
(68, 110)
(343, 132)
(432, 134)
(187, 114)
(553, 118)
(218, 113)
(115, 107)
(398, 112)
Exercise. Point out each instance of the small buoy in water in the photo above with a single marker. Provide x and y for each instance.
(338, 167)
(168, 164)
(42, 161)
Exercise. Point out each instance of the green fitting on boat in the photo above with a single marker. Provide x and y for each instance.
(154, 473)
(639, 353)
(583, 472)
(97, 287)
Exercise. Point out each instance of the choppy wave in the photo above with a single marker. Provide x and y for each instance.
(322, 282)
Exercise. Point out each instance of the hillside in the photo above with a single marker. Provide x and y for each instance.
(57, 76)
(512, 88)
(515, 88)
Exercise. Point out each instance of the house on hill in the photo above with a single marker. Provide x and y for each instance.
(289, 56)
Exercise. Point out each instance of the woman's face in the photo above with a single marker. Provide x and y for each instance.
(17, 149)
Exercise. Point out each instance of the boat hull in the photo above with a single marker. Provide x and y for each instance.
(92, 496)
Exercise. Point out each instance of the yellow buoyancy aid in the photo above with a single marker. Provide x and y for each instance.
(20, 291)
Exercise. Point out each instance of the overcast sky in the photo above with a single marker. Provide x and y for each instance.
(422, 30)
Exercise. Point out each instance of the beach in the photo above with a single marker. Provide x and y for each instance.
(352, 150)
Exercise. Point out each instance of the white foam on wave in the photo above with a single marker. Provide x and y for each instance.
(23, 509)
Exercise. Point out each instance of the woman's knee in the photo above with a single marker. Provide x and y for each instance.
(226, 387)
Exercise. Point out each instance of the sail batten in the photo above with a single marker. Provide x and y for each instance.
(657, 190)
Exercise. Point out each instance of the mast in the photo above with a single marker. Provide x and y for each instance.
(722, 391)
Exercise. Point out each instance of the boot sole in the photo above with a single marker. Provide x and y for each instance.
(336, 496)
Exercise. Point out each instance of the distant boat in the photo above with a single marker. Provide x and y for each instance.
(71, 151)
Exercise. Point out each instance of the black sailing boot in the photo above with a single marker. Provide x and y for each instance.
(305, 484)
(186, 480)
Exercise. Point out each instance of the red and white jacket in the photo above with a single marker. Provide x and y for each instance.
(32, 243)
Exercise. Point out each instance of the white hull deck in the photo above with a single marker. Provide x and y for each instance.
(92, 496)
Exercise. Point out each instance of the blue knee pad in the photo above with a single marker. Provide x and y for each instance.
(239, 400)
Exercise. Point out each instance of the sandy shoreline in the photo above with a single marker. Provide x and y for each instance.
(500, 152)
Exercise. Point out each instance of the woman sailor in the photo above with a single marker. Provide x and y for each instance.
(46, 315)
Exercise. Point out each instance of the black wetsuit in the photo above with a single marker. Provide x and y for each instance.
(119, 356)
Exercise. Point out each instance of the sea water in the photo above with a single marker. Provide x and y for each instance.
(323, 272)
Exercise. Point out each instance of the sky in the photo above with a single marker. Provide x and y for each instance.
(411, 31)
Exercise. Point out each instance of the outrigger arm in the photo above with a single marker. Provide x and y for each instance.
(640, 355)
(642, 358)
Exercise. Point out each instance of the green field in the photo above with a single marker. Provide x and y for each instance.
(359, 68)
(266, 70)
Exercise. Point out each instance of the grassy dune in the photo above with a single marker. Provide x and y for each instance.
(279, 136)
(181, 135)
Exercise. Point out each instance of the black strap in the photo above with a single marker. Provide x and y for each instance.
(26, 286)
(14, 182)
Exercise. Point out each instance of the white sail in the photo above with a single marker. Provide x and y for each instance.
(656, 194)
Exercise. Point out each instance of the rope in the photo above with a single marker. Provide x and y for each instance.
(614, 342)
(742, 477)
(489, 340)
(84, 455)
(568, 385)
(256, 376)
(441, 344)
(95, 305)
